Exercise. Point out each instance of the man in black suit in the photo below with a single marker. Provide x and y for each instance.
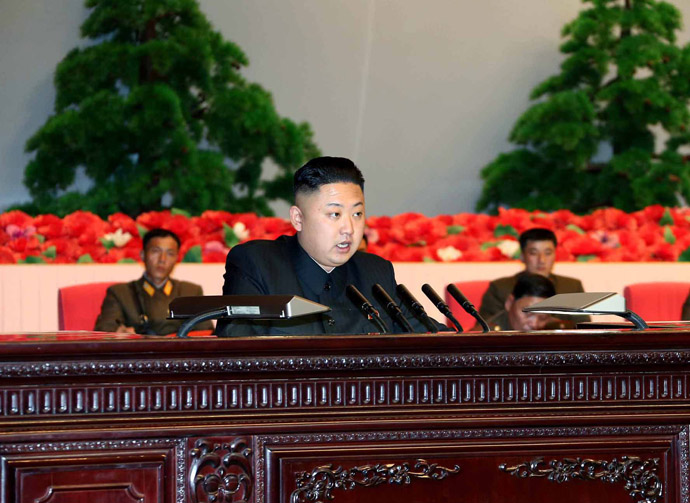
(318, 262)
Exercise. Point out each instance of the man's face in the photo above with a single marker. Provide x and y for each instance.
(330, 222)
(160, 256)
(539, 257)
(525, 321)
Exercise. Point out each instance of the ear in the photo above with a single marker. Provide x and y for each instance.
(296, 218)
(509, 302)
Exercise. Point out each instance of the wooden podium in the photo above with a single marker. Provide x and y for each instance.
(579, 416)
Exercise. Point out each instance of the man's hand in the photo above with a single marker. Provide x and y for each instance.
(121, 329)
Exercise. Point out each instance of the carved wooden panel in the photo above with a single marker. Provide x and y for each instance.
(93, 472)
(327, 394)
(387, 360)
(568, 465)
(220, 469)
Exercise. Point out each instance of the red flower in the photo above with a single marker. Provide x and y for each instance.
(6, 256)
(153, 219)
(481, 227)
(212, 221)
(608, 219)
(86, 227)
(95, 251)
(379, 235)
(520, 220)
(214, 251)
(271, 228)
(24, 245)
(117, 254)
(64, 248)
(15, 217)
(124, 222)
(412, 254)
(49, 226)
(419, 230)
(187, 244)
(666, 252)
(383, 222)
(582, 245)
(652, 213)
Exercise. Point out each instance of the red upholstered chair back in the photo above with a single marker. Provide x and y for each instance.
(79, 305)
(473, 290)
(657, 301)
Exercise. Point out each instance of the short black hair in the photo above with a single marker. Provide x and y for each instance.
(160, 233)
(533, 285)
(324, 170)
(537, 234)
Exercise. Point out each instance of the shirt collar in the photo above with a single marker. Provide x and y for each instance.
(150, 288)
(312, 276)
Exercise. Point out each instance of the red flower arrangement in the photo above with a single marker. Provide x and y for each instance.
(652, 234)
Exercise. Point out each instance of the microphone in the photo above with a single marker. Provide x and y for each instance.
(391, 307)
(416, 307)
(365, 306)
(440, 305)
(467, 306)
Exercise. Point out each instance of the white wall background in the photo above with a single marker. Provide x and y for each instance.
(421, 94)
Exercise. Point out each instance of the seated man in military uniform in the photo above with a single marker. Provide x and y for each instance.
(538, 249)
(141, 306)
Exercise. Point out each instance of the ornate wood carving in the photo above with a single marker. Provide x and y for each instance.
(337, 394)
(317, 486)
(212, 365)
(640, 477)
(263, 442)
(684, 455)
(72, 446)
(221, 472)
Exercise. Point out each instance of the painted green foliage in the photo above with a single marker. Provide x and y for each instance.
(612, 128)
(156, 114)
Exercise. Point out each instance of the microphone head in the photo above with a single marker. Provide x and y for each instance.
(410, 299)
(355, 295)
(433, 296)
(382, 294)
(460, 297)
(403, 291)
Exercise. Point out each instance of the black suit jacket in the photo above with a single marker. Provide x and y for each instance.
(282, 267)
